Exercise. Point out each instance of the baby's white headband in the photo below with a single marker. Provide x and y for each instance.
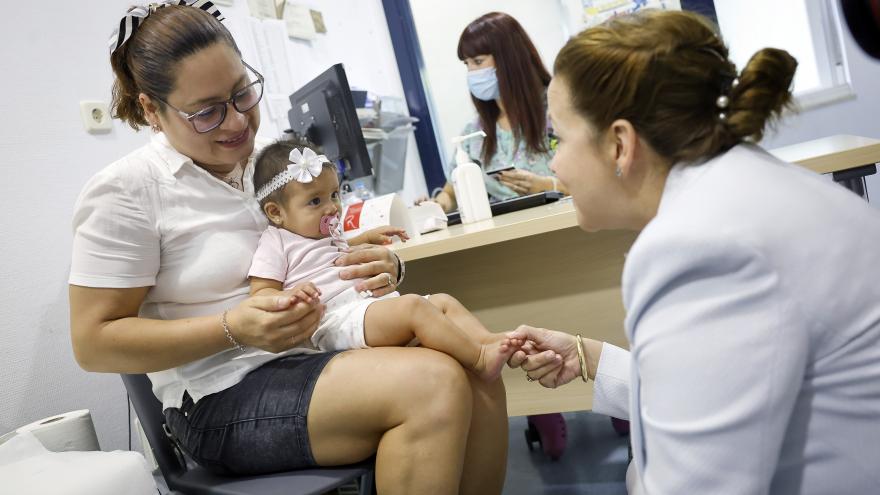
(303, 166)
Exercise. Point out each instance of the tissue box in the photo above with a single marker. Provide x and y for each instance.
(428, 217)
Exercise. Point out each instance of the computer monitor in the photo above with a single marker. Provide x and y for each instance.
(323, 112)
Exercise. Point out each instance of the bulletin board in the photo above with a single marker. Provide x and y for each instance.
(584, 14)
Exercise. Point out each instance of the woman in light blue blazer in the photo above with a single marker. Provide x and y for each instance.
(752, 295)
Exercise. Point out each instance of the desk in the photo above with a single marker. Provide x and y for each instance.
(537, 267)
(832, 153)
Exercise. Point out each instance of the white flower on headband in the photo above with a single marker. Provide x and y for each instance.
(305, 165)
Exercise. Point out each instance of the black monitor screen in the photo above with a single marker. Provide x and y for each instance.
(323, 111)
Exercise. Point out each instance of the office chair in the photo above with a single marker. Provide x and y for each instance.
(199, 481)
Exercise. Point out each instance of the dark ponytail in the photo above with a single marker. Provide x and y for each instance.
(762, 94)
(146, 62)
(124, 103)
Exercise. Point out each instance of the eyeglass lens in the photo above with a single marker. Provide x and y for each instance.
(210, 118)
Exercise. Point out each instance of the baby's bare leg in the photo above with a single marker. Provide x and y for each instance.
(460, 315)
(396, 321)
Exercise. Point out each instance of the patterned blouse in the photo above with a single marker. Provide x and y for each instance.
(506, 154)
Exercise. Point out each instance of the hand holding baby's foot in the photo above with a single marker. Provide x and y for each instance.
(494, 354)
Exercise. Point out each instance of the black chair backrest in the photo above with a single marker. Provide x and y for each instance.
(149, 412)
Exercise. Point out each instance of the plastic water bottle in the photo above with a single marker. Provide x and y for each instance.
(361, 192)
(346, 195)
(467, 181)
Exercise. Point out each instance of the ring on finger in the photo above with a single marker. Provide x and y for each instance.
(529, 378)
(390, 280)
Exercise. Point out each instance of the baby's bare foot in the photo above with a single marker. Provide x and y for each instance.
(494, 355)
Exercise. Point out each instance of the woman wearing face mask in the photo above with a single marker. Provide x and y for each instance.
(508, 85)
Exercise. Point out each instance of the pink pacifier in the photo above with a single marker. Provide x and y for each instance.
(330, 226)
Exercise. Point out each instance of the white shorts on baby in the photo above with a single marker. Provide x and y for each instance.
(342, 326)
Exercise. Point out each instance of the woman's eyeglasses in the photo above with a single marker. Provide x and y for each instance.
(210, 118)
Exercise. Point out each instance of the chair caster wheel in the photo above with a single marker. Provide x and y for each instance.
(532, 437)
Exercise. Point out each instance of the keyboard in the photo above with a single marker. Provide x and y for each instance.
(512, 204)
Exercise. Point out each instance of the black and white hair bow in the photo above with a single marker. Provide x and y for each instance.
(135, 17)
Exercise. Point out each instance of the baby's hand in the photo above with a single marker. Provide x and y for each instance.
(381, 236)
(306, 292)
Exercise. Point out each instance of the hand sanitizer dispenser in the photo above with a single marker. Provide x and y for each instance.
(467, 181)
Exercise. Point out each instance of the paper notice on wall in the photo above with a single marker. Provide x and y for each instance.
(298, 19)
(270, 42)
(598, 11)
(264, 54)
(275, 33)
(318, 21)
(278, 107)
(263, 9)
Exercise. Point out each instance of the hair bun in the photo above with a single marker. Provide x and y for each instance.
(763, 92)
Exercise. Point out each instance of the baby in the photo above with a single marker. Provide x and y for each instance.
(298, 191)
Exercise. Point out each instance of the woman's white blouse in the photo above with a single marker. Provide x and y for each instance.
(753, 315)
(611, 387)
(155, 219)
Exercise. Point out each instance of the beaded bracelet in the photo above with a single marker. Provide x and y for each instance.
(582, 358)
(229, 336)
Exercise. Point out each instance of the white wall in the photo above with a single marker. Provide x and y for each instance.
(747, 33)
(439, 25)
(857, 116)
(52, 58)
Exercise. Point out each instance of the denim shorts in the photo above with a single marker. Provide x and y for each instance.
(256, 426)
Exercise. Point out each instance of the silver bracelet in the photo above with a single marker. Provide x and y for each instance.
(401, 270)
(229, 336)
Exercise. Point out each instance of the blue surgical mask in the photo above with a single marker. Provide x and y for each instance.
(483, 84)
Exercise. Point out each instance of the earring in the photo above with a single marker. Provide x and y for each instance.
(618, 172)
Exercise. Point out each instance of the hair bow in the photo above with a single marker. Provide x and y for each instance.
(305, 165)
(136, 15)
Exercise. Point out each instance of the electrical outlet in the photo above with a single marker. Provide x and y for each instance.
(95, 116)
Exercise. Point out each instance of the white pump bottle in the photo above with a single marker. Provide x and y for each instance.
(467, 181)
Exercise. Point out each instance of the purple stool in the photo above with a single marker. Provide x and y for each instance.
(549, 431)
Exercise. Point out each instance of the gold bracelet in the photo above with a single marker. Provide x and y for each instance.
(582, 358)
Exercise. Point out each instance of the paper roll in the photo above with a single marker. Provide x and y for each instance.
(377, 212)
(65, 432)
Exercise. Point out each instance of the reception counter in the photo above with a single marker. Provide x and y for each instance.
(537, 267)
